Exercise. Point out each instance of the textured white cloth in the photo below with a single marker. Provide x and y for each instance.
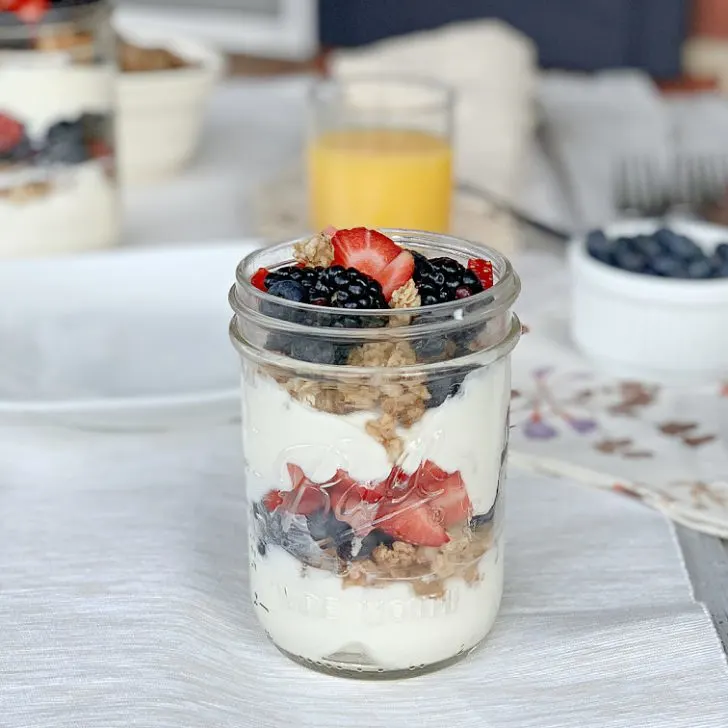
(123, 602)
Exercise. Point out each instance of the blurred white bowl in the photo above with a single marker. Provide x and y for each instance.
(668, 330)
(160, 113)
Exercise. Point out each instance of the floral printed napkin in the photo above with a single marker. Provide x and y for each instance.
(665, 446)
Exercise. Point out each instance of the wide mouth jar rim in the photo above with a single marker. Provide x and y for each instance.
(482, 306)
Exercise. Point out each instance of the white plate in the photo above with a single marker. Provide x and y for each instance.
(139, 334)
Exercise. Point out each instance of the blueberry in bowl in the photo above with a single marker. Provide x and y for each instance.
(665, 253)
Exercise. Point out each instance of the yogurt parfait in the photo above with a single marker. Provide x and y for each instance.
(58, 190)
(375, 396)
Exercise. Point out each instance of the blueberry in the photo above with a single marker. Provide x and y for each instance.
(431, 348)
(482, 519)
(65, 144)
(442, 387)
(721, 251)
(21, 152)
(261, 547)
(371, 541)
(668, 267)
(325, 528)
(288, 290)
(700, 268)
(678, 245)
(649, 246)
(599, 246)
(313, 350)
(629, 259)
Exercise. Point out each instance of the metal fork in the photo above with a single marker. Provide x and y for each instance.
(644, 188)
(639, 188)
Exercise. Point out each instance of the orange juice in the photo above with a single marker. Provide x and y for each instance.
(380, 178)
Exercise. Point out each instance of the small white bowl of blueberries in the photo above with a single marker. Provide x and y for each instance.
(650, 300)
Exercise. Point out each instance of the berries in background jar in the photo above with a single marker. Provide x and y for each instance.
(65, 144)
(14, 143)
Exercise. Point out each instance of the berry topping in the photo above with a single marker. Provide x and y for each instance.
(369, 251)
(65, 144)
(416, 524)
(483, 269)
(397, 273)
(12, 135)
(289, 290)
(258, 278)
(374, 254)
(439, 280)
(29, 11)
(272, 500)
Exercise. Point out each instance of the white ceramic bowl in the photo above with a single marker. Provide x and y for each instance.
(667, 330)
(160, 113)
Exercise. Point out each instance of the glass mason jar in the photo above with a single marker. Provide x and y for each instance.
(380, 153)
(375, 443)
(58, 190)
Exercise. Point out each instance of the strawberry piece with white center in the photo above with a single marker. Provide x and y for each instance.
(374, 254)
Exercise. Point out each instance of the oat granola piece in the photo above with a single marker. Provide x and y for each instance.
(384, 431)
(383, 354)
(315, 251)
(26, 192)
(406, 297)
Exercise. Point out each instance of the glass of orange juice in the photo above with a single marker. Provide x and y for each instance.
(380, 153)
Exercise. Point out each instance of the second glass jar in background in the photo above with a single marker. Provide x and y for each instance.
(380, 153)
(58, 190)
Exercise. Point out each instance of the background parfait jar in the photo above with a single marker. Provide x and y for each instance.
(58, 190)
(375, 442)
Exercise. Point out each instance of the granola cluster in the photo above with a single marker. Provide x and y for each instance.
(27, 192)
(425, 568)
(401, 403)
(316, 251)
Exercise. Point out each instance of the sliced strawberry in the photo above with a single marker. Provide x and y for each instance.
(353, 503)
(272, 499)
(98, 149)
(415, 523)
(396, 274)
(258, 278)
(11, 133)
(483, 269)
(305, 500)
(329, 230)
(369, 251)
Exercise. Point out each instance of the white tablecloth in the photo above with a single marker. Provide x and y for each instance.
(123, 602)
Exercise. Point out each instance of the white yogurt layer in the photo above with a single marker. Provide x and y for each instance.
(465, 433)
(79, 212)
(310, 614)
(38, 97)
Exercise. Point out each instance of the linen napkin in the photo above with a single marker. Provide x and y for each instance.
(665, 446)
(125, 603)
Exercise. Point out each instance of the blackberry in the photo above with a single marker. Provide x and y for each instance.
(341, 287)
(439, 280)
(332, 289)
